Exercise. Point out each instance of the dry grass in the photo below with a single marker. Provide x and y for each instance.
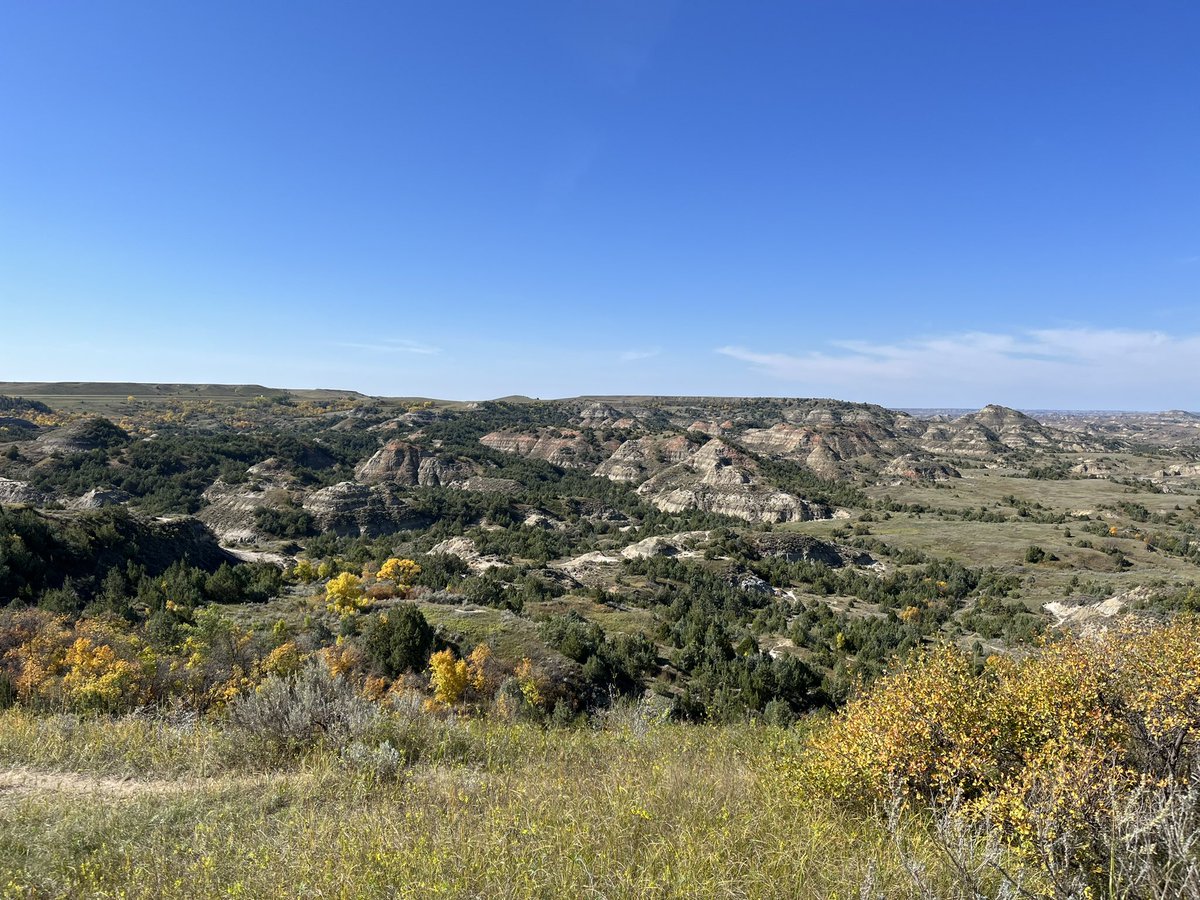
(656, 811)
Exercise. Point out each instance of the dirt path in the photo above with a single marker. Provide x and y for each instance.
(21, 782)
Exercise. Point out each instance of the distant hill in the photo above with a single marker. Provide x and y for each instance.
(96, 394)
(150, 389)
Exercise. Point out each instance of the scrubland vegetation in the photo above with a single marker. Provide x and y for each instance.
(553, 686)
(629, 809)
(1069, 772)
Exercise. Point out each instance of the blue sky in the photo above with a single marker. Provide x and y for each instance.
(912, 203)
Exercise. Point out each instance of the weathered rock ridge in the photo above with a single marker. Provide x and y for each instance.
(405, 463)
(352, 509)
(638, 459)
(721, 479)
(913, 467)
(565, 448)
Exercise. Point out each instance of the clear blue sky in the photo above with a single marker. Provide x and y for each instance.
(912, 203)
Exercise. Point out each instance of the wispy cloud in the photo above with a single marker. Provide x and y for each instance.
(1094, 367)
(391, 345)
(635, 355)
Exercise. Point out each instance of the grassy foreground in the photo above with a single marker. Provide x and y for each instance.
(130, 807)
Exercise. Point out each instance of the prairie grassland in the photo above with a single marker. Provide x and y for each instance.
(133, 808)
(987, 486)
(1002, 544)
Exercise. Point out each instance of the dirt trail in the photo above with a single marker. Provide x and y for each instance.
(20, 781)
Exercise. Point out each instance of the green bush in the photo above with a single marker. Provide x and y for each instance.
(398, 640)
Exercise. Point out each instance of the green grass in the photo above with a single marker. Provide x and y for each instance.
(125, 747)
(632, 620)
(1003, 544)
(987, 487)
(511, 637)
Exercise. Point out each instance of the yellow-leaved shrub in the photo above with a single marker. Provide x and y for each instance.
(1040, 746)
(92, 665)
(455, 680)
(401, 571)
(344, 594)
(449, 677)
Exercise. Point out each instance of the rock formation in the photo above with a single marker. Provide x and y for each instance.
(720, 479)
(565, 448)
(912, 467)
(405, 463)
(97, 498)
(13, 492)
(997, 431)
(351, 509)
(638, 459)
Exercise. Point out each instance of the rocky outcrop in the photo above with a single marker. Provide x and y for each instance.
(1082, 611)
(229, 509)
(638, 459)
(1014, 428)
(830, 415)
(352, 423)
(962, 439)
(351, 509)
(1098, 468)
(911, 467)
(395, 461)
(748, 581)
(401, 462)
(805, 548)
(272, 470)
(682, 544)
(565, 448)
(466, 550)
(1094, 614)
(1180, 470)
(14, 492)
(539, 519)
(830, 440)
(998, 431)
(712, 429)
(598, 414)
(409, 421)
(83, 436)
(598, 567)
(593, 569)
(487, 485)
(720, 479)
(97, 498)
